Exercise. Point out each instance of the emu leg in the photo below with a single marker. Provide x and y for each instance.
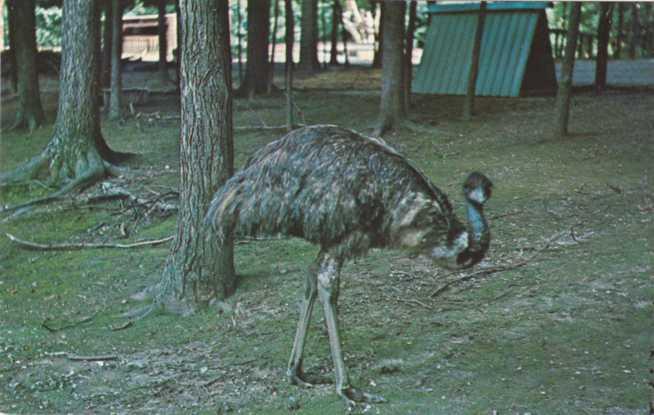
(294, 372)
(328, 287)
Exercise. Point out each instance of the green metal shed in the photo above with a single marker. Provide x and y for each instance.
(515, 56)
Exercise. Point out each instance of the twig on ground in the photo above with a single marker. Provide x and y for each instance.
(84, 245)
(499, 268)
(123, 326)
(266, 127)
(67, 326)
(75, 357)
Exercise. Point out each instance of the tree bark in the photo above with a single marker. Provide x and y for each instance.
(257, 66)
(322, 39)
(30, 111)
(392, 97)
(239, 36)
(289, 38)
(116, 99)
(336, 18)
(603, 30)
(178, 55)
(162, 32)
(344, 36)
(13, 74)
(2, 25)
(469, 102)
(309, 37)
(271, 71)
(635, 41)
(379, 52)
(567, 68)
(107, 36)
(77, 154)
(619, 31)
(408, 68)
(200, 267)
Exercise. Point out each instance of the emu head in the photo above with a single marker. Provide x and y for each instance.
(467, 246)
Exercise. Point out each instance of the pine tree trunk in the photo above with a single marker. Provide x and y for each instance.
(239, 45)
(392, 95)
(379, 52)
(336, 17)
(271, 71)
(635, 41)
(116, 100)
(76, 153)
(344, 37)
(290, 38)
(97, 19)
(603, 30)
(322, 39)
(199, 268)
(257, 66)
(567, 68)
(469, 102)
(309, 37)
(178, 55)
(619, 35)
(408, 68)
(11, 20)
(30, 110)
(107, 36)
(162, 29)
(2, 26)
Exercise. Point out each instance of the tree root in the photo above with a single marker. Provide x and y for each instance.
(87, 178)
(24, 172)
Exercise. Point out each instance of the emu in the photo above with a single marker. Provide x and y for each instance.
(346, 193)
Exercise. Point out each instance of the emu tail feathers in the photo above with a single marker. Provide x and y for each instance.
(222, 214)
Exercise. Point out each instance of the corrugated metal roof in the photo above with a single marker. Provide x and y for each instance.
(505, 48)
(497, 6)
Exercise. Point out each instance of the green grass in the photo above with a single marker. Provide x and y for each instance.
(569, 333)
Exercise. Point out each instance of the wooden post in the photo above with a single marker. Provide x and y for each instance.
(239, 37)
(2, 28)
(468, 104)
(618, 39)
(289, 38)
(634, 41)
(333, 34)
(603, 29)
(408, 69)
(567, 68)
(344, 35)
(271, 72)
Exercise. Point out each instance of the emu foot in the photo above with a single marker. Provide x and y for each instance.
(352, 396)
(307, 381)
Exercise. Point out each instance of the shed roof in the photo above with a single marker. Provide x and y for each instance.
(474, 6)
(514, 34)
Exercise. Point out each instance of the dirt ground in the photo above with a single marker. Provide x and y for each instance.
(564, 325)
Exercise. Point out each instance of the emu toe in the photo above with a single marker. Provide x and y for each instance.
(301, 379)
(352, 396)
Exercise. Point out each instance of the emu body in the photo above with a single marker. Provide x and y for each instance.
(346, 193)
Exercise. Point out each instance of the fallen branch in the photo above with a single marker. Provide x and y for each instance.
(112, 189)
(123, 326)
(266, 127)
(499, 268)
(75, 357)
(83, 245)
(67, 326)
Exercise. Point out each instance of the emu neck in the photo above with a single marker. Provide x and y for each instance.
(478, 226)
